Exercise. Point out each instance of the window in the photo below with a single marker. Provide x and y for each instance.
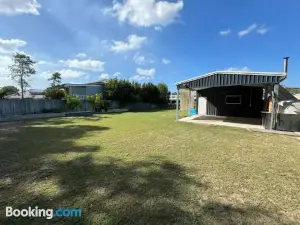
(233, 99)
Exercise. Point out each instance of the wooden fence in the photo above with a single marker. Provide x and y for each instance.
(9, 107)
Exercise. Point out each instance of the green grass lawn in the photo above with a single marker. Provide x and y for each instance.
(143, 168)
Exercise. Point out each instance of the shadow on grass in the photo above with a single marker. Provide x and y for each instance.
(140, 111)
(25, 146)
(96, 118)
(111, 191)
(108, 190)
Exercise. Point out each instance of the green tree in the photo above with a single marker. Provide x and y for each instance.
(111, 89)
(150, 93)
(120, 90)
(21, 69)
(55, 79)
(7, 91)
(128, 92)
(72, 102)
(164, 93)
(136, 92)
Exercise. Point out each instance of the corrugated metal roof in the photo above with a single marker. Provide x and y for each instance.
(227, 78)
(234, 72)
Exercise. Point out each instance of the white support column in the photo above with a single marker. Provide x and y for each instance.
(197, 102)
(177, 105)
(275, 93)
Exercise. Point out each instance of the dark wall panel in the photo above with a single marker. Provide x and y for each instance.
(251, 101)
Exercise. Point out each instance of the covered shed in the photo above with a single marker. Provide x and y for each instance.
(238, 93)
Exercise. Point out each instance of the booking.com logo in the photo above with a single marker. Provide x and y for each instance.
(36, 212)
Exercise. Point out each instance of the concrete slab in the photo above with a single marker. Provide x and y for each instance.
(219, 122)
(240, 123)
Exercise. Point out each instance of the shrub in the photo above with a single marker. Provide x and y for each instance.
(54, 93)
(96, 101)
(91, 100)
(99, 102)
(72, 101)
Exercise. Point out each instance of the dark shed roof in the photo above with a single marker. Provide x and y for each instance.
(231, 78)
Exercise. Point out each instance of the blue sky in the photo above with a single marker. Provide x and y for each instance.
(150, 40)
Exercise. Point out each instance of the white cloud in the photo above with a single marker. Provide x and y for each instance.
(245, 68)
(133, 42)
(166, 61)
(248, 30)
(11, 7)
(42, 62)
(147, 73)
(146, 13)
(81, 55)
(5, 62)
(6, 81)
(117, 74)
(141, 60)
(262, 30)
(138, 78)
(89, 64)
(45, 74)
(158, 28)
(68, 74)
(10, 45)
(40, 80)
(225, 32)
(104, 76)
(46, 63)
(143, 74)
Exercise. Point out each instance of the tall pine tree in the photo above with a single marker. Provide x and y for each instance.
(21, 70)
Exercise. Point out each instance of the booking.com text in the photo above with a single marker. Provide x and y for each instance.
(37, 212)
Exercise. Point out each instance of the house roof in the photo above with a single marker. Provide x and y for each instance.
(31, 93)
(36, 91)
(96, 83)
(228, 78)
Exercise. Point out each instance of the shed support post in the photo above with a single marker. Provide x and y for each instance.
(177, 105)
(275, 92)
(197, 96)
